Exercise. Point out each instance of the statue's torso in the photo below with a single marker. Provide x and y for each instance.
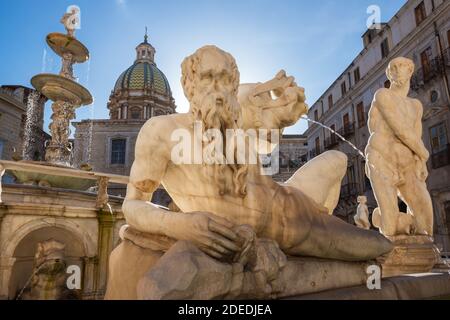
(196, 187)
(382, 135)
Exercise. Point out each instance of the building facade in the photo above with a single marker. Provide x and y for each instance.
(293, 153)
(14, 110)
(420, 31)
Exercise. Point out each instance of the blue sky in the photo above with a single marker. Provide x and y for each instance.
(312, 40)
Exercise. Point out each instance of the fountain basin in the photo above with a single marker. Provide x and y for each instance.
(62, 43)
(57, 176)
(58, 88)
(47, 179)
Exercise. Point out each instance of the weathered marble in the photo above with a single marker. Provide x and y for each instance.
(362, 214)
(48, 279)
(218, 195)
(397, 157)
(185, 272)
(424, 286)
(411, 254)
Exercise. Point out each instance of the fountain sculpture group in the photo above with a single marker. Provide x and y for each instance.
(238, 234)
(67, 95)
(241, 235)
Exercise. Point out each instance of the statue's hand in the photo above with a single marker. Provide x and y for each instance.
(210, 233)
(423, 154)
(421, 169)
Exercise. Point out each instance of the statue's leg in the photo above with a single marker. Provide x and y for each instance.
(302, 228)
(128, 263)
(415, 193)
(386, 195)
(321, 178)
(332, 238)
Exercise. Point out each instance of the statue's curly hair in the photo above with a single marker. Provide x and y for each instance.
(400, 60)
(190, 64)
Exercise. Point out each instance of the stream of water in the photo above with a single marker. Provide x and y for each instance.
(30, 123)
(337, 134)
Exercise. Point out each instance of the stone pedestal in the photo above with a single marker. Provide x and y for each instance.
(425, 286)
(411, 254)
(185, 273)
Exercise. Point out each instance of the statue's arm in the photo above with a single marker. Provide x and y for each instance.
(419, 128)
(261, 111)
(394, 119)
(148, 169)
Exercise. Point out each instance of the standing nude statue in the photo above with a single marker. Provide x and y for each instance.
(397, 157)
(362, 214)
(215, 199)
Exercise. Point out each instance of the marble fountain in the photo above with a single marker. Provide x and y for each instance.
(239, 234)
(54, 205)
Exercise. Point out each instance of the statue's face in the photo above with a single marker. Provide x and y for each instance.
(362, 199)
(215, 74)
(214, 90)
(400, 71)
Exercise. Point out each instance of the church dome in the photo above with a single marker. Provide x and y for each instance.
(142, 91)
(143, 75)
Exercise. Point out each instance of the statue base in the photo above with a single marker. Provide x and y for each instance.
(185, 273)
(411, 254)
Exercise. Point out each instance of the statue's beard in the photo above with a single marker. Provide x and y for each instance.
(216, 111)
(220, 111)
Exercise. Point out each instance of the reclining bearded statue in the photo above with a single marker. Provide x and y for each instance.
(231, 214)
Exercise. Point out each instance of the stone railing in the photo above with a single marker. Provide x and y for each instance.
(424, 75)
(103, 179)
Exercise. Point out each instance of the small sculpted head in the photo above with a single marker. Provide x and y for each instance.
(362, 199)
(210, 80)
(400, 71)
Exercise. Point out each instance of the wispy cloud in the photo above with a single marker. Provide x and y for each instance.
(121, 2)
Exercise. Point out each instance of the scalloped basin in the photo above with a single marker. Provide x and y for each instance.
(58, 88)
(62, 43)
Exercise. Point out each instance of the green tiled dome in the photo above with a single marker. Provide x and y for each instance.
(141, 75)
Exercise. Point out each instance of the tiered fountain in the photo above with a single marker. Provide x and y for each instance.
(67, 95)
(64, 91)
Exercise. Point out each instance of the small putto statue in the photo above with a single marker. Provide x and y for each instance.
(362, 214)
(71, 20)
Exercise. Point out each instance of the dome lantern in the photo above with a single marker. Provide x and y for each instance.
(145, 51)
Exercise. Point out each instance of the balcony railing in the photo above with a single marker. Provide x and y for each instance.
(331, 142)
(424, 75)
(314, 153)
(349, 190)
(441, 159)
(347, 130)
